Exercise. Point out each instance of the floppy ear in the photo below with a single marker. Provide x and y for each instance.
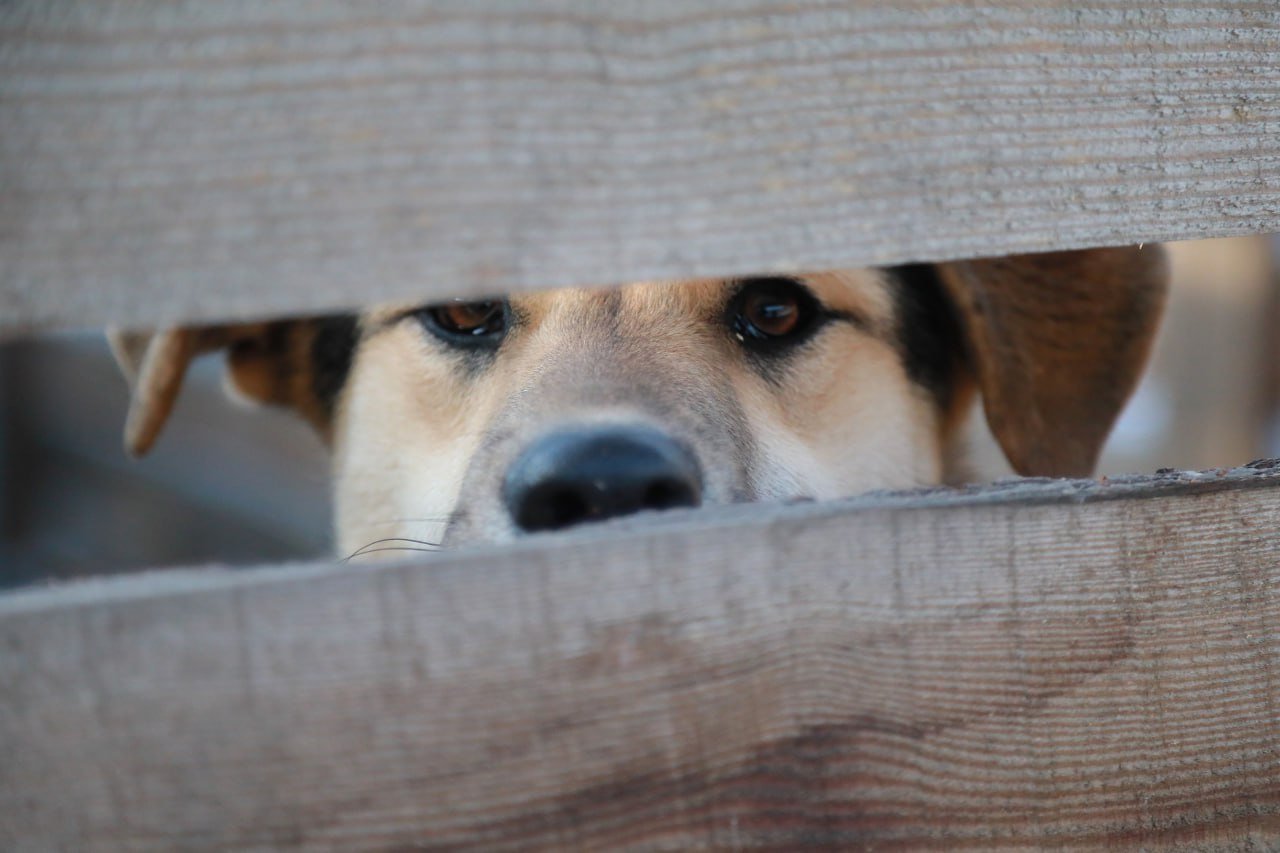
(267, 362)
(1057, 343)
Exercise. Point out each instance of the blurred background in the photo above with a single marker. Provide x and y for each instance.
(235, 485)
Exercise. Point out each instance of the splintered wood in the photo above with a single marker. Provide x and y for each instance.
(164, 162)
(1048, 663)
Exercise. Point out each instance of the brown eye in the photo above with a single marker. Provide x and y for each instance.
(770, 314)
(467, 323)
(470, 318)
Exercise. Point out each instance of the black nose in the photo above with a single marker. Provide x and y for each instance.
(589, 474)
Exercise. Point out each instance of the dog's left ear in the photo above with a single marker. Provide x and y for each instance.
(266, 362)
(1056, 343)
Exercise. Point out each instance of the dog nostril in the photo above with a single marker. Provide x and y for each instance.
(562, 509)
(669, 494)
(582, 475)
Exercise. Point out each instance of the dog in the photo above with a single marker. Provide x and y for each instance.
(483, 421)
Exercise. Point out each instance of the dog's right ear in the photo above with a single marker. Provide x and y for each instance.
(1056, 343)
(273, 363)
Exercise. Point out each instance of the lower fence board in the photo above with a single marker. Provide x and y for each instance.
(1090, 665)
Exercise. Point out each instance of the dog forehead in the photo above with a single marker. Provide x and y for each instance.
(685, 297)
(864, 293)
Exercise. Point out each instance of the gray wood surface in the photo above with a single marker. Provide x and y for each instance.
(1017, 667)
(227, 158)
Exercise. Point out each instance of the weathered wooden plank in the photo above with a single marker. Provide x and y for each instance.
(1015, 667)
(228, 158)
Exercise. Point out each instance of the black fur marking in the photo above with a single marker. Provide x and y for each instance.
(275, 344)
(332, 351)
(928, 330)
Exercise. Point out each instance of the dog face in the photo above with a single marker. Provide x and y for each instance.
(482, 421)
(497, 416)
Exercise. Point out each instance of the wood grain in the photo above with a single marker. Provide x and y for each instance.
(1041, 665)
(163, 161)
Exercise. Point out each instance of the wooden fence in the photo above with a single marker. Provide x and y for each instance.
(1048, 664)
(1042, 664)
(165, 161)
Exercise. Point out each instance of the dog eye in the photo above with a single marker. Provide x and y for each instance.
(771, 315)
(468, 322)
(768, 312)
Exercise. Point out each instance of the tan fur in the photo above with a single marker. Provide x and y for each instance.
(421, 444)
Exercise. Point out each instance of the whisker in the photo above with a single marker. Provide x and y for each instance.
(358, 551)
(405, 539)
(363, 552)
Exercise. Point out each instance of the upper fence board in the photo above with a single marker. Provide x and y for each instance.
(227, 158)
(1020, 667)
